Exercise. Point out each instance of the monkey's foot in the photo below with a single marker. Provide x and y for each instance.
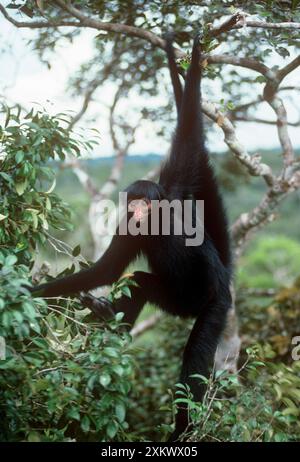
(101, 307)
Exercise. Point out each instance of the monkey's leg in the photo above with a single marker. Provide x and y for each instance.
(199, 355)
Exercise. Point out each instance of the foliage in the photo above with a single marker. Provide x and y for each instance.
(273, 324)
(158, 359)
(121, 288)
(261, 403)
(243, 408)
(61, 378)
(28, 203)
(269, 262)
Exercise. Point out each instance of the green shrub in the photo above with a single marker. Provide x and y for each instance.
(62, 378)
(260, 404)
(271, 322)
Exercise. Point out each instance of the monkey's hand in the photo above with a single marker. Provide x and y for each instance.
(101, 307)
(198, 39)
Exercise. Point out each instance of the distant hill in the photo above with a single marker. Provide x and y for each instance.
(269, 155)
(132, 159)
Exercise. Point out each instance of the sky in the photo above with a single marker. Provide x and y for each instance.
(24, 79)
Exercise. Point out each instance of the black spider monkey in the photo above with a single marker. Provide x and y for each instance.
(185, 281)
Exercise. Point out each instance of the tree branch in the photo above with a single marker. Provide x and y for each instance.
(145, 325)
(110, 27)
(260, 214)
(86, 101)
(258, 120)
(290, 67)
(248, 63)
(268, 25)
(227, 25)
(38, 24)
(252, 163)
(270, 95)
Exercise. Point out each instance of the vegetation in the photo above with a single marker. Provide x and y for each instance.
(62, 378)
(65, 377)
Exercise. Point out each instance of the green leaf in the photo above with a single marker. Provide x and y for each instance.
(10, 260)
(44, 221)
(20, 187)
(126, 291)
(120, 412)
(118, 370)
(105, 379)
(76, 251)
(91, 382)
(6, 177)
(29, 115)
(18, 316)
(73, 413)
(29, 310)
(48, 204)
(34, 220)
(19, 157)
(111, 352)
(119, 316)
(111, 429)
(85, 424)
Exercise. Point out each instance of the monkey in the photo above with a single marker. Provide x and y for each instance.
(188, 281)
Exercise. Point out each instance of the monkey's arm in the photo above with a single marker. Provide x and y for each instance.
(188, 158)
(105, 271)
(173, 70)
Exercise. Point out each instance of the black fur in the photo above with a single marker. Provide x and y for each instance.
(185, 281)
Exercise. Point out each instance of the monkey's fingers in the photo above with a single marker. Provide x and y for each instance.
(101, 307)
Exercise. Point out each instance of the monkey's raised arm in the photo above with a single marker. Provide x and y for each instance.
(122, 250)
(188, 158)
(173, 70)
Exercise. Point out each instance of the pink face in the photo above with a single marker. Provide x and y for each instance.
(140, 208)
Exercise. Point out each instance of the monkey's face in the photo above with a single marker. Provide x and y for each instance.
(140, 208)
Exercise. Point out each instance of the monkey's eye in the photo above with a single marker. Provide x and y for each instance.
(139, 202)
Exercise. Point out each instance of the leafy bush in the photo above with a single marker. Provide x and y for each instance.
(61, 377)
(28, 204)
(272, 323)
(242, 408)
(260, 404)
(158, 358)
